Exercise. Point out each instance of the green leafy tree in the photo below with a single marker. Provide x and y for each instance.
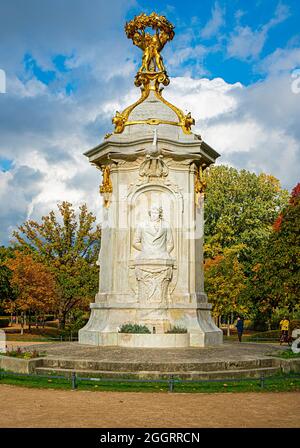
(275, 282)
(69, 246)
(240, 208)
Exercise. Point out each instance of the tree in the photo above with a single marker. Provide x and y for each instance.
(240, 208)
(6, 290)
(275, 282)
(70, 248)
(224, 283)
(33, 283)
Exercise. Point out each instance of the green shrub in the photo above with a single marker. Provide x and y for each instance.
(272, 334)
(134, 328)
(294, 324)
(177, 329)
(52, 324)
(23, 354)
(259, 323)
(4, 323)
(77, 319)
(248, 324)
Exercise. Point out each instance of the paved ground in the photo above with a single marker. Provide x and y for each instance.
(227, 352)
(31, 408)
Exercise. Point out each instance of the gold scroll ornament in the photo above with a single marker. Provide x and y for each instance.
(106, 187)
(152, 72)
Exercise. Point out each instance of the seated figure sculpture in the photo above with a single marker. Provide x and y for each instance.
(154, 264)
(154, 238)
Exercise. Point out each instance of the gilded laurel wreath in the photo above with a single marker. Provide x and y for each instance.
(154, 21)
(152, 71)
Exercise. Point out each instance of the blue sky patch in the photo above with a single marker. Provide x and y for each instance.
(31, 66)
(5, 164)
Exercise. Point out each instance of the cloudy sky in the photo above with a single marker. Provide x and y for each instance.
(69, 66)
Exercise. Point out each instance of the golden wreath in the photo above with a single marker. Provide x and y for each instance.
(154, 21)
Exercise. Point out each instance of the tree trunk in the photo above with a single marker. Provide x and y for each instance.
(29, 322)
(22, 324)
(228, 326)
(62, 321)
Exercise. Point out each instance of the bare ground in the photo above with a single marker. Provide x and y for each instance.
(32, 408)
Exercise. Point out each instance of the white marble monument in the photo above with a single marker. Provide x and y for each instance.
(3, 348)
(151, 257)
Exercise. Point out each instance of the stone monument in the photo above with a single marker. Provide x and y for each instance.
(2, 341)
(151, 257)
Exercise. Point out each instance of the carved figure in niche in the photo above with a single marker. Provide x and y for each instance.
(154, 265)
(154, 237)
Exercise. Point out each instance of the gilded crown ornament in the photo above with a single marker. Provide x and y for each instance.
(152, 71)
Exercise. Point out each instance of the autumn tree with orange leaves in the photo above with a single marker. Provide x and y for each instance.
(68, 244)
(34, 285)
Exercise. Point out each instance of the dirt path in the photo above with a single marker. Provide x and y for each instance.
(24, 407)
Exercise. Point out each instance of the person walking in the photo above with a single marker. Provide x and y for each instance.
(284, 327)
(240, 327)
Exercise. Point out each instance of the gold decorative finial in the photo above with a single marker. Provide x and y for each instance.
(152, 72)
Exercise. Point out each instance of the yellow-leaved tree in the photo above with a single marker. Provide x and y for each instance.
(224, 283)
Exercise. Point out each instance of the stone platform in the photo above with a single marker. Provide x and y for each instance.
(231, 360)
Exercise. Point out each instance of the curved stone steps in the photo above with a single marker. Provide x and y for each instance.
(163, 367)
(154, 374)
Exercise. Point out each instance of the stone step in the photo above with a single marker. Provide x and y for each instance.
(115, 366)
(152, 374)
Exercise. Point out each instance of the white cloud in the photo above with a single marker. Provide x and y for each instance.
(245, 43)
(250, 127)
(215, 23)
(281, 60)
(203, 97)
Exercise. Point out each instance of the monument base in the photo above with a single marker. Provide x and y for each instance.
(103, 327)
(150, 340)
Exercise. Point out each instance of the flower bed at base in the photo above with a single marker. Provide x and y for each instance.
(23, 354)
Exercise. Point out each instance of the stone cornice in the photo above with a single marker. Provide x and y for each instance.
(107, 149)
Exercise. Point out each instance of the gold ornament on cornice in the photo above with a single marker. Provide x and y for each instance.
(106, 187)
(152, 72)
(200, 183)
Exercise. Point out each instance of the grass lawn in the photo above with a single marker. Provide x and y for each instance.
(287, 354)
(272, 384)
(48, 333)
